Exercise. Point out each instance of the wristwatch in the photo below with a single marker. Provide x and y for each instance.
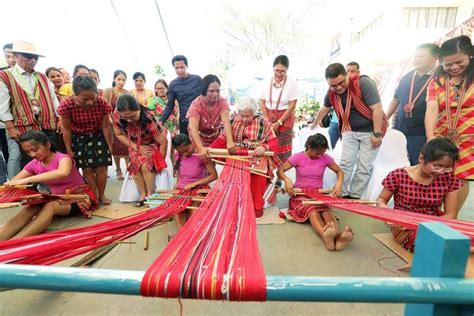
(377, 134)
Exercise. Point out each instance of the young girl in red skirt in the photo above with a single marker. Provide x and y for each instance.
(192, 171)
(59, 172)
(310, 166)
(424, 188)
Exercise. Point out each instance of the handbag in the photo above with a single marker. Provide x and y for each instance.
(326, 121)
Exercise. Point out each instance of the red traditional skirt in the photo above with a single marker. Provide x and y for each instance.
(137, 160)
(406, 237)
(302, 212)
(119, 149)
(85, 205)
(284, 134)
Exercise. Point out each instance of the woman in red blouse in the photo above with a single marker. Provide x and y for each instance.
(450, 105)
(86, 133)
(209, 116)
(424, 188)
(137, 127)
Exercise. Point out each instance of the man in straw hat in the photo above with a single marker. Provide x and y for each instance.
(27, 102)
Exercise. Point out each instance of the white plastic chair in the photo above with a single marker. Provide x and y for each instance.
(393, 154)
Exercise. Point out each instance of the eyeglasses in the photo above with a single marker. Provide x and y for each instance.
(29, 56)
(129, 117)
(440, 169)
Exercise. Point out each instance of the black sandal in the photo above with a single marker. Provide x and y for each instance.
(140, 203)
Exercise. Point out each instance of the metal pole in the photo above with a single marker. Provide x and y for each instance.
(279, 288)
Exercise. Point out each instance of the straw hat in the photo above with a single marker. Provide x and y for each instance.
(25, 47)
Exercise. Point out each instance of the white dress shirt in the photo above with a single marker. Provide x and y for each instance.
(290, 93)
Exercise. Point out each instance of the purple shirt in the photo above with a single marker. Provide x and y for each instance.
(58, 186)
(309, 172)
(191, 169)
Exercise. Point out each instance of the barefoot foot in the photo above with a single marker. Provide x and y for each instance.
(105, 200)
(329, 233)
(345, 238)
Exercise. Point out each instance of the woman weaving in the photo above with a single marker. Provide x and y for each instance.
(424, 188)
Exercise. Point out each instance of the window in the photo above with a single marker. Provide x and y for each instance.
(427, 18)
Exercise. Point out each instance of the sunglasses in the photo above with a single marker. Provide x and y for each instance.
(29, 56)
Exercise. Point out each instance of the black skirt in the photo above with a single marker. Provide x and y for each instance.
(91, 150)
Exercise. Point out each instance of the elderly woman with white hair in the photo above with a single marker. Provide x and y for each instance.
(253, 132)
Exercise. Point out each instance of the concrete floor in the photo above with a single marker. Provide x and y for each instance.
(289, 249)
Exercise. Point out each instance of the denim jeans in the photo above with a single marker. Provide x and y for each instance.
(14, 158)
(357, 151)
(333, 133)
(414, 144)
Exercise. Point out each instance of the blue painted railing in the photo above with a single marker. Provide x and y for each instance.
(437, 286)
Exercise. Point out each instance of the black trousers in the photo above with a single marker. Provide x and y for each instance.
(183, 127)
(4, 143)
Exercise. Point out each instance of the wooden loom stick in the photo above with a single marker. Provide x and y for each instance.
(95, 255)
(71, 196)
(299, 191)
(8, 205)
(19, 186)
(316, 202)
(218, 151)
(188, 208)
(146, 239)
(252, 170)
(240, 158)
(194, 199)
(202, 191)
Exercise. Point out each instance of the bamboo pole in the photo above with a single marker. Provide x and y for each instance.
(448, 291)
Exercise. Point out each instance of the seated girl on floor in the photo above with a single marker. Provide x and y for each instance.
(59, 172)
(192, 172)
(310, 166)
(424, 188)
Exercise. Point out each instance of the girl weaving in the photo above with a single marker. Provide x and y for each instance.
(423, 188)
(310, 166)
(192, 171)
(59, 172)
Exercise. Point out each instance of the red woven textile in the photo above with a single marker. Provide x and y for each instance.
(215, 255)
(8, 195)
(406, 219)
(54, 247)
